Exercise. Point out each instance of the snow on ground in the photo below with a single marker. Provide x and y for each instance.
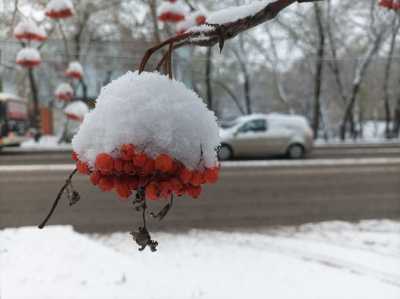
(46, 142)
(326, 260)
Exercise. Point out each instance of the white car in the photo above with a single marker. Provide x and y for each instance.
(261, 135)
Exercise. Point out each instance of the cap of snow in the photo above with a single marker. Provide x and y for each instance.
(28, 57)
(76, 110)
(59, 9)
(233, 14)
(156, 114)
(29, 30)
(64, 92)
(172, 11)
(74, 70)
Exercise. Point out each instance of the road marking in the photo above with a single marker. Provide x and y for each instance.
(286, 164)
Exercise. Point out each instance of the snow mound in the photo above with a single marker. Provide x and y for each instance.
(59, 5)
(156, 114)
(76, 110)
(64, 91)
(74, 70)
(28, 57)
(29, 30)
(172, 11)
(233, 14)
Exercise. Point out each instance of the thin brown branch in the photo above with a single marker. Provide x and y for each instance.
(59, 195)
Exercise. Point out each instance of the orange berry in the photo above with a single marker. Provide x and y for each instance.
(166, 189)
(164, 163)
(74, 156)
(200, 20)
(119, 165)
(152, 191)
(185, 175)
(95, 177)
(176, 185)
(106, 183)
(139, 160)
(122, 188)
(82, 167)
(211, 175)
(127, 151)
(194, 191)
(128, 167)
(149, 167)
(197, 178)
(104, 163)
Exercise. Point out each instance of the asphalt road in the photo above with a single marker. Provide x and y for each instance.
(249, 195)
(16, 156)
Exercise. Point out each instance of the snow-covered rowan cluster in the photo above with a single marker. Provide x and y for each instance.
(149, 132)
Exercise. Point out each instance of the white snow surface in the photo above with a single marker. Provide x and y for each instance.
(46, 142)
(156, 114)
(59, 5)
(29, 26)
(64, 88)
(328, 260)
(177, 7)
(78, 108)
(233, 14)
(28, 54)
(75, 66)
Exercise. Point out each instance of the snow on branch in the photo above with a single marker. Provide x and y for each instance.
(223, 25)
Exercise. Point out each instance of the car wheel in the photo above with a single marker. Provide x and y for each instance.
(296, 151)
(225, 152)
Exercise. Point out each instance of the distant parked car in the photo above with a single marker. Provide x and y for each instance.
(261, 135)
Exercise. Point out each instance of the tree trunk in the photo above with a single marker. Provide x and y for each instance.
(209, 93)
(348, 117)
(386, 96)
(35, 117)
(318, 71)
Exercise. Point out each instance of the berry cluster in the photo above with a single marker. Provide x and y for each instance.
(160, 177)
(60, 14)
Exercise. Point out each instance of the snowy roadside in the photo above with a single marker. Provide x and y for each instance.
(326, 260)
(46, 142)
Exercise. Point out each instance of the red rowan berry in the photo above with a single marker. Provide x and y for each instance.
(95, 177)
(164, 163)
(152, 191)
(106, 183)
(104, 163)
(185, 175)
(127, 151)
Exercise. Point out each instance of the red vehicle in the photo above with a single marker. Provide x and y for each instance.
(14, 121)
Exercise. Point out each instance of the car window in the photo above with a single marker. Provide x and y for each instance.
(257, 125)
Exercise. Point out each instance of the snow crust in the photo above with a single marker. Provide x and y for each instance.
(328, 260)
(59, 5)
(46, 142)
(29, 26)
(78, 108)
(75, 67)
(64, 88)
(233, 14)
(176, 7)
(28, 54)
(156, 114)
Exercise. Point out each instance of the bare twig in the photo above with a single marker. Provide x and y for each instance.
(59, 195)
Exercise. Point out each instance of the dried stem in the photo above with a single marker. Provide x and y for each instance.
(59, 195)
